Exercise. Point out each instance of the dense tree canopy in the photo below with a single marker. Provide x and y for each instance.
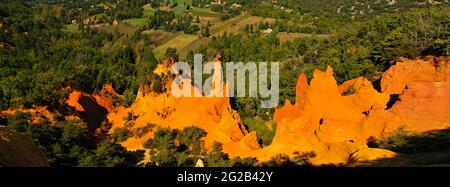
(69, 144)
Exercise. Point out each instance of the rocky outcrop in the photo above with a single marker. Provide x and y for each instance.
(332, 121)
(324, 121)
(19, 150)
(430, 69)
(213, 114)
(335, 122)
(419, 92)
(93, 108)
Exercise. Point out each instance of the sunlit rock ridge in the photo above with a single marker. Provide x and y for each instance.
(333, 122)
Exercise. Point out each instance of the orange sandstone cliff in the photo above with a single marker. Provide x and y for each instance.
(420, 97)
(430, 69)
(93, 108)
(332, 121)
(213, 114)
(325, 122)
(336, 127)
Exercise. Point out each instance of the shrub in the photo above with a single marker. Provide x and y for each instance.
(191, 135)
(264, 133)
(189, 139)
(406, 142)
(110, 154)
(139, 132)
(350, 90)
(283, 160)
(157, 85)
(18, 121)
(244, 162)
(215, 157)
(163, 138)
(392, 142)
(120, 134)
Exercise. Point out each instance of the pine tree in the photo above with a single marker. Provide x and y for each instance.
(197, 19)
(206, 32)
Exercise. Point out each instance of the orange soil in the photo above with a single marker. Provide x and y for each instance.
(38, 114)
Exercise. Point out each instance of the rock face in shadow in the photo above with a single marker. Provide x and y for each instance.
(19, 150)
(93, 108)
(431, 148)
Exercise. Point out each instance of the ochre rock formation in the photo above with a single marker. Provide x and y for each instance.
(93, 108)
(38, 114)
(405, 71)
(335, 123)
(213, 114)
(325, 122)
(420, 93)
(332, 121)
(105, 97)
(424, 106)
(19, 150)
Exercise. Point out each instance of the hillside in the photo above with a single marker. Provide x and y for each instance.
(88, 83)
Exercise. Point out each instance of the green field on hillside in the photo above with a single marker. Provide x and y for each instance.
(136, 21)
(179, 10)
(179, 42)
(204, 12)
(71, 28)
